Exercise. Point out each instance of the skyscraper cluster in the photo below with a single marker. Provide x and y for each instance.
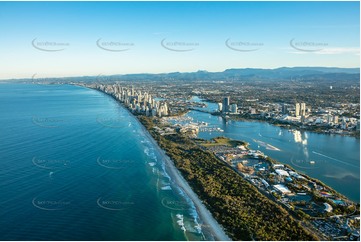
(300, 109)
(136, 101)
(226, 107)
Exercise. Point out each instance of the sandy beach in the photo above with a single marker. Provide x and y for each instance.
(209, 222)
(210, 225)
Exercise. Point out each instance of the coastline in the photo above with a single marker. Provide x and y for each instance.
(211, 225)
(319, 179)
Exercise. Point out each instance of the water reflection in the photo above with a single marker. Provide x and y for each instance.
(299, 137)
(332, 159)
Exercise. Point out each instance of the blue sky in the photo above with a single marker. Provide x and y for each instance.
(155, 37)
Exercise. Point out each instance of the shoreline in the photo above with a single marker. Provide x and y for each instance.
(213, 227)
(212, 230)
(293, 166)
(216, 229)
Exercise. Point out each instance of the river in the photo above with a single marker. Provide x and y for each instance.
(336, 157)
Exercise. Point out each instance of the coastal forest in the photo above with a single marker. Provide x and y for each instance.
(244, 212)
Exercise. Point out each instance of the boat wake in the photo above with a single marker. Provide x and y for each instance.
(266, 145)
(331, 158)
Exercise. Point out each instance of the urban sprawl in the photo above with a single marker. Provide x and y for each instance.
(332, 215)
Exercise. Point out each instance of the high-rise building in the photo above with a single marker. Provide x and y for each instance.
(225, 105)
(303, 109)
(234, 108)
(284, 108)
(154, 112)
(329, 118)
(297, 110)
(165, 111)
(220, 107)
(335, 119)
(344, 123)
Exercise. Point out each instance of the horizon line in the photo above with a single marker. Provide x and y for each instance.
(164, 73)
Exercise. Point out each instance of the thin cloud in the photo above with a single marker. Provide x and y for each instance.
(339, 51)
(330, 51)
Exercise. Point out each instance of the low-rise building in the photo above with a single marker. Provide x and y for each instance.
(282, 189)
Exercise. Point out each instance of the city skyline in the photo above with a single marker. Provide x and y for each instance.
(77, 38)
(180, 121)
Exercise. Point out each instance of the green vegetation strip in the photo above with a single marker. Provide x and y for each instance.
(223, 141)
(240, 208)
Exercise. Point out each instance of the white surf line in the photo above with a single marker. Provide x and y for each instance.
(216, 230)
(340, 161)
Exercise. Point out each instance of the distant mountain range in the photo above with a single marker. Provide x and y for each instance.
(283, 73)
(243, 74)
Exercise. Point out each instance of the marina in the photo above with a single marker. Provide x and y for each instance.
(304, 151)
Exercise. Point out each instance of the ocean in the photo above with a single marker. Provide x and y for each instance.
(75, 165)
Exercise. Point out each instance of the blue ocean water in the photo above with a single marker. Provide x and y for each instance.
(74, 165)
